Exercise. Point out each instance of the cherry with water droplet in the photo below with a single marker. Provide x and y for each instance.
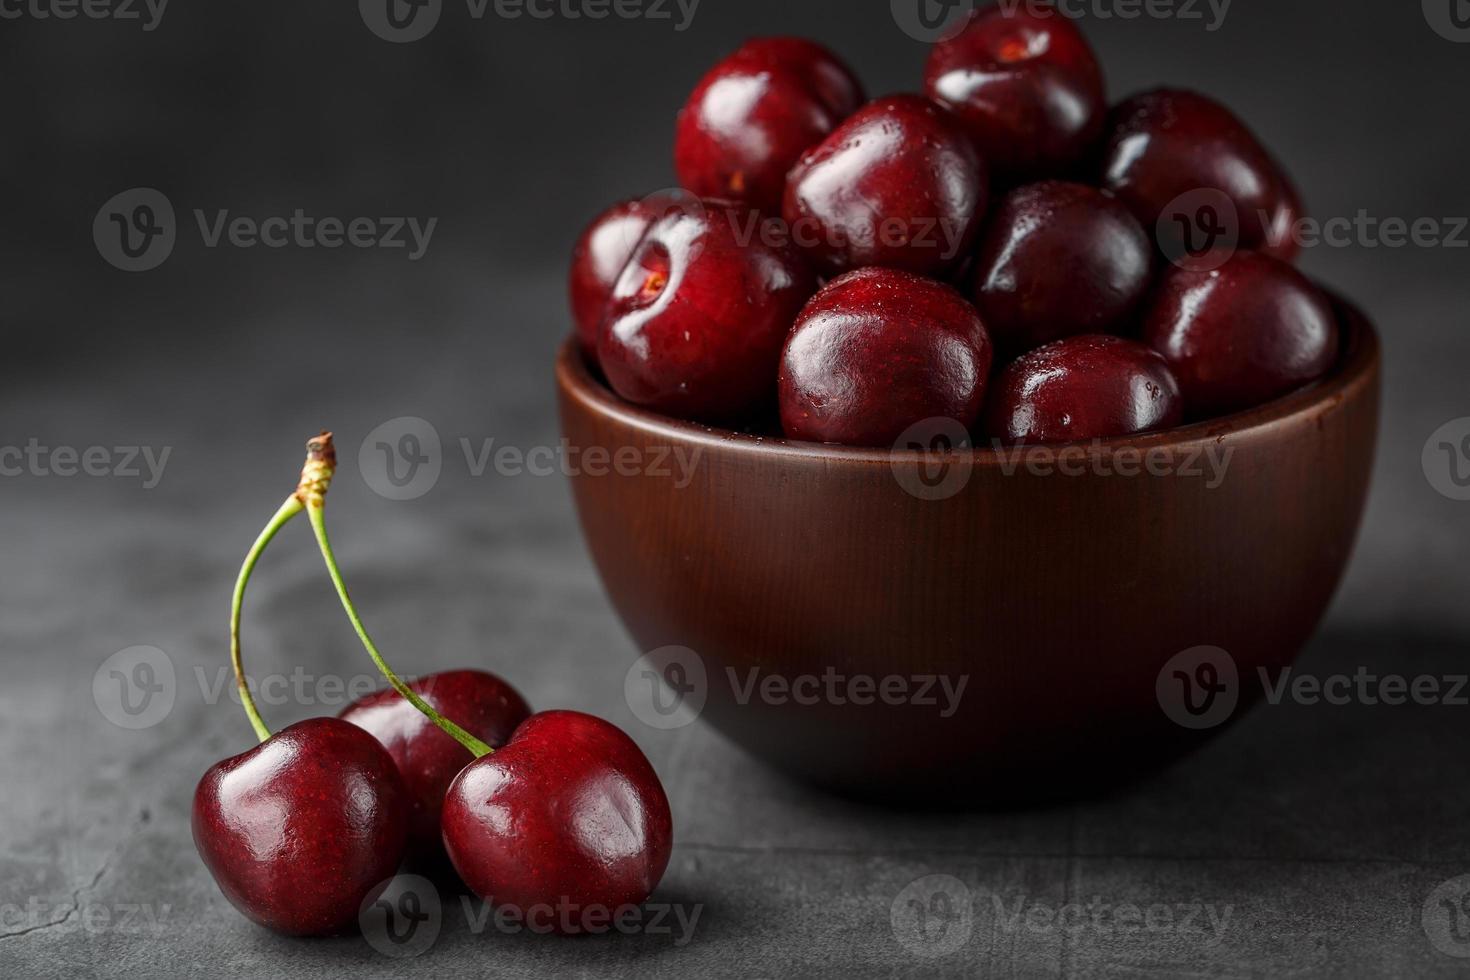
(1092, 386)
(877, 351)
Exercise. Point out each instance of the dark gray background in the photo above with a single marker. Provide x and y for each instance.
(1325, 830)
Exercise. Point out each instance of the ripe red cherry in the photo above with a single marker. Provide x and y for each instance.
(755, 113)
(1059, 259)
(1027, 87)
(303, 828)
(427, 758)
(697, 318)
(1242, 334)
(1167, 143)
(599, 255)
(568, 815)
(1091, 386)
(877, 351)
(897, 185)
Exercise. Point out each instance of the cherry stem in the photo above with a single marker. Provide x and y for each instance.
(289, 509)
(321, 463)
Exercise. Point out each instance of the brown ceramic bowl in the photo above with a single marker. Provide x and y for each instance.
(1063, 601)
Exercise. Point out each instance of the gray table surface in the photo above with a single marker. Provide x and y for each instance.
(1322, 839)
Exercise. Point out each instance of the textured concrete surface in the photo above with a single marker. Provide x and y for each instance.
(1309, 840)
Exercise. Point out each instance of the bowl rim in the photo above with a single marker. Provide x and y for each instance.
(1357, 363)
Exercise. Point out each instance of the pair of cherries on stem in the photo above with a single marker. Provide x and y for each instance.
(307, 828)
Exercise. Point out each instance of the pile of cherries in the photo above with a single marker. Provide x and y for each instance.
(557, 816)
(1003, 251)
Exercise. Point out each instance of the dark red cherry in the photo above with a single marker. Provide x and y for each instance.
(897, 185)
(1027, 87)
(568, 815)
(303, 828)
(1059, 259)
(1242, 334)
(755, 113)
(1091, 386)
(877, 351)
(697, 318)
(599, 255)
(1164, 144)
(427, 758)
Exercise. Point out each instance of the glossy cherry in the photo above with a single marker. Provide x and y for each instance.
(877, 351)
(1242, 334)
(1164, 144)
(1027, 87)
(427, 758)
(755, 113)
(1059, 259)
(567, 821)
(898, 185)
(599, 255)
(697, 318)
(1091, 386)
(299, 831)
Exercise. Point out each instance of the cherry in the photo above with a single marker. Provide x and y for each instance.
(301, 830)
(696, 320)
(1167, 143)
(753, 115)
(1059, 259)
(1091, 386)
(567, 816)
(877, 351)
(428, 759)
(599, 255)
(1027, 87)
(1241, 334)
(897, 185)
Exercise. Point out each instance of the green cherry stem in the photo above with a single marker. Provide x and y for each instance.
(294, 505)
(315, 478)
(289, 509)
